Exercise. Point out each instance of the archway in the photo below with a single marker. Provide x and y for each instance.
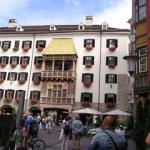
(35, 110)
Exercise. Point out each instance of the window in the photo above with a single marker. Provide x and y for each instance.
(88, 61)
(26, 44)
(68, 65)
(6, 45)
(35, 95)
(110, 98)
(16, 46)
(9, 94)
(12, 76)
(111, 78)
(25, 60)
(14, 60)
(4, 60)
(89, 43)
(20, 94)
(86, 97)
(58, 65)
(87, 77)
(2, 75)
(112, 44)
(141, 10)
(143, 59)
(23, 76)
(36, 78)
(1, 93)
(0, 43)
(81, 26)
(38, 60)
(111, 61)
(40, 45)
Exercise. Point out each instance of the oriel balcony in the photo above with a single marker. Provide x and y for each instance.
(142, 85)
(58, 100)
(62, 75)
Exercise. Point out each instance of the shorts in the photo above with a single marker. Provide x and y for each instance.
(76, 136)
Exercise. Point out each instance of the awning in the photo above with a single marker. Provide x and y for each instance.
(60, 46)
(117, 112)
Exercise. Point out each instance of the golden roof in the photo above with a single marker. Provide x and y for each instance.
(60, 46)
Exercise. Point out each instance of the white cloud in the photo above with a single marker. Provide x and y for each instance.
(75, 2)
(116, 15)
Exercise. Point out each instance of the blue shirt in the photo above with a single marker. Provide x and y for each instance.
(102, 141)
(77, 126)
(28, 121)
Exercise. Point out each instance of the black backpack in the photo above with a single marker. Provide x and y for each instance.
(34, 127)
(67, 128)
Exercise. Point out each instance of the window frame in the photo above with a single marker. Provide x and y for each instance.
(83, 96)
(111, 78)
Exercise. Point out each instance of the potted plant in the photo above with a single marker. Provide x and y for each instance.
(13, 65)
(23, 65)
(22, 81)
(33, 101)
(87, 84)
(40, 49)
(25, 49)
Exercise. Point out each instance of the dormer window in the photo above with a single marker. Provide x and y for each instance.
(89, 44)
(6, 45)
(104, 26)
(111, 61)
(26, 45)
(40, 45)
(81, 26)
(19, 29)
(88, 61)
(112, 44)
(52, 27)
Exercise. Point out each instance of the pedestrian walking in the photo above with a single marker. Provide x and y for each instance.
(108, 139)
(77, 130)
(65, 134)
(49, 123)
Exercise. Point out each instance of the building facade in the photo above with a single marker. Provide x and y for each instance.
(60, 68)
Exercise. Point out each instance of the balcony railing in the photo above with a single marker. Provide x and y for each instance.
(59, 74)
(57, 100)
(141, 83)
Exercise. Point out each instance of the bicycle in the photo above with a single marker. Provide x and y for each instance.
(36, 143)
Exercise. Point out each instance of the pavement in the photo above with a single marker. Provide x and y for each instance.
(53, 143)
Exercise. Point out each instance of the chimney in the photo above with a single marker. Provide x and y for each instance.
(12, 23)
(89, 20)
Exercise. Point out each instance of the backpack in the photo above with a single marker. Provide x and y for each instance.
(67, 128)
(34, 127)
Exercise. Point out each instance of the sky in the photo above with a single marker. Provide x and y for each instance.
(45, 12)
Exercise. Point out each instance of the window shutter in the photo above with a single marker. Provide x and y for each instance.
(23, 44)
(8, 76)
(11, 59)
(31, 93)
(17, 60)
(115, 78)
(107, 60)
(21, 60)
(35, 58)
(91, 95)
(92, 60)
(84, 60)
(107, 43)
(44, 44)
(17, 44)
(33, 76)
(37, 44)
(85, 43)
(106, 78)
(26, 76)
(93, 42)
(28, 59)
(7, 59)
(82, 77)
(0, 43)
(30, 44)
(116, 43)
(91, 77)
(9, 44)
(116, 60)
(19, 76)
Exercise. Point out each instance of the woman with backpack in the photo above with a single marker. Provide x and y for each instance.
(65, 134)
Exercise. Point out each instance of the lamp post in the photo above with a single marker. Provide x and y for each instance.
(131, 62)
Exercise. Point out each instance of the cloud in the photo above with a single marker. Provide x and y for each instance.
(116, 15)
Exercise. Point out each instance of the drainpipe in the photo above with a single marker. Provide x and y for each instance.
(30, 77)
(99, 82)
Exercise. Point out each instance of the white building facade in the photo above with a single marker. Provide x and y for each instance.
(60, 68)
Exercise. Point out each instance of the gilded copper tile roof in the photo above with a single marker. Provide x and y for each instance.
(60, 46)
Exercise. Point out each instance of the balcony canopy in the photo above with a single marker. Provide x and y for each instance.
(60, 46)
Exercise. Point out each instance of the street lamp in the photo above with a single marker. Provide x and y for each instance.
(131, 62)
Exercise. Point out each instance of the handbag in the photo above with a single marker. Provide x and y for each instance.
(114, 143)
